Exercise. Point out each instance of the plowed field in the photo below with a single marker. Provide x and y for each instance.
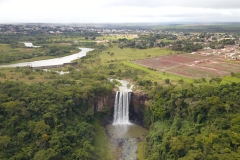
(190, 65)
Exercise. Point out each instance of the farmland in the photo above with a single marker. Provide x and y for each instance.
(192, 65)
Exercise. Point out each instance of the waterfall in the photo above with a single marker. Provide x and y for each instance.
(121, 108)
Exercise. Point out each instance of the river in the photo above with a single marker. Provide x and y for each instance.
(53, 61)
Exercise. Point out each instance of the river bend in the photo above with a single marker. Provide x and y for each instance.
(53, 61)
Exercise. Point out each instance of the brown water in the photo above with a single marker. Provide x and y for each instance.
(125, 138)
(125, 131)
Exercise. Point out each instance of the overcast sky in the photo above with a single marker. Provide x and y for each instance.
(118, 11)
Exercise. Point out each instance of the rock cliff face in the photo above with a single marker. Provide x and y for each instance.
(102, 104)
(136, 108)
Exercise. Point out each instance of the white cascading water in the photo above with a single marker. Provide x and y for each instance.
(121, 108)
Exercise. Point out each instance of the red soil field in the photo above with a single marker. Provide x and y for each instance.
(180, 58)
(222, 66)
(156, 63)
(195, 71)
(192, 65)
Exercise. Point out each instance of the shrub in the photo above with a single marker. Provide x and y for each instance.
(31, 77)
(167, 81)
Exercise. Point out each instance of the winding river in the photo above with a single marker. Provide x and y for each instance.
(54, 61)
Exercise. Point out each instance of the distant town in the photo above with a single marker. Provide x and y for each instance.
(205, 43)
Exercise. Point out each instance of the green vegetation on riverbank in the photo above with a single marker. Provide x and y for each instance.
(141, 150)
(20, 53)
(101, 143)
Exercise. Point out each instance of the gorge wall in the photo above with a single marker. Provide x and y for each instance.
(136, 107)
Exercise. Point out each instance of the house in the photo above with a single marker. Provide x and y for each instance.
(29, 45)
(207, 48)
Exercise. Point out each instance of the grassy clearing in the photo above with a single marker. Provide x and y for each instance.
(230, 79)
(4, 47)
(101, 143)
(125, 54)
(140, 154)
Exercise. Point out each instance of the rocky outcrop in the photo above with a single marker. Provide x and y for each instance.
(102, 104)
(137, 107)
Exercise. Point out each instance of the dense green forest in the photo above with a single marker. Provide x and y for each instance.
(51, 120)
(194, 123)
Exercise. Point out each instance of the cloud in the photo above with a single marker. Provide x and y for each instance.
(3, 1)
(180, 3)
(95, 11)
